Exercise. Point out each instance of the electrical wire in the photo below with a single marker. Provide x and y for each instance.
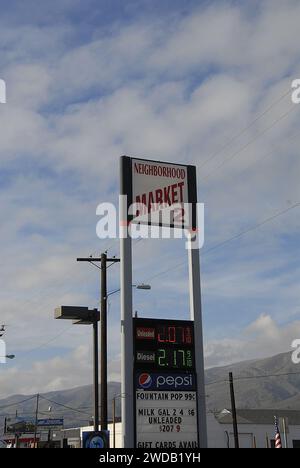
(240, 234)
(18, 402)
(46, 343)
(232, 156)
(235, 137)
(65, 406)
(266, 155)
(237, 379)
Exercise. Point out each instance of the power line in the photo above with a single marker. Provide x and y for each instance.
(47, 303)
(18, 402)
(65, 291)
(240, 234)
(253, 228)
(269, 153)
(232, 156)
(65, 406)
(45, 344)
(236, 379)
(235, 137)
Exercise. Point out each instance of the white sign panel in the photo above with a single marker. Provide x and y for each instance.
(166, 419)
(160, 193)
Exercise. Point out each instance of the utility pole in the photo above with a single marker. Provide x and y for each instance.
(36, 419)
(285, 432)
(103, 342)
(103, 329)
(267, 441)
(114, 421)
(233, 412)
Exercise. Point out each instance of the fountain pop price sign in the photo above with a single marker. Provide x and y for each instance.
(165, 384)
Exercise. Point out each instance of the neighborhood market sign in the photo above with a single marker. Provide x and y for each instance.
(162, 194)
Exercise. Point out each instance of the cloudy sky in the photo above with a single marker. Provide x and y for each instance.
(198, 82)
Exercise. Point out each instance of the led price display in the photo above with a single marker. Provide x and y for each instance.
(172, 334)
(164, 344)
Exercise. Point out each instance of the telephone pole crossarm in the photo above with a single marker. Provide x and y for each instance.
(91, 259)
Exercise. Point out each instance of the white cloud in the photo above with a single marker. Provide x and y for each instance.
(263, 337)
(55, 374)
(175, 91)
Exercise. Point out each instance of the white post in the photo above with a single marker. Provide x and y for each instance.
(196, 315)
(126, 330)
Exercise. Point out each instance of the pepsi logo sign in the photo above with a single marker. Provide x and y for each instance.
(145, 380)
(166, 381)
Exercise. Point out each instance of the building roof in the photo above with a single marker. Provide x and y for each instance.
(259, 416)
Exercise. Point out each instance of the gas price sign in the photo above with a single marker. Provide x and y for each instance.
(164, 344)
(165, 384)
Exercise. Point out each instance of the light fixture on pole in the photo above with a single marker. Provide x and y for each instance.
(141, 286)
(85, 316)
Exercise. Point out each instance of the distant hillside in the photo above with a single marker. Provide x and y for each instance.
(80, 398)
(254, 390)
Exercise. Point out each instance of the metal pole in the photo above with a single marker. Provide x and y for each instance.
(103, 343)
(284, 432)
(233, 411)
(96, 376)
(114, 421)
(196, 315)
(126, 315)
(36, 418)
(267, 441)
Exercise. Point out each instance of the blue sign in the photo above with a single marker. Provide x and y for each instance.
(165, 381)
(50, 422)
(95, 440)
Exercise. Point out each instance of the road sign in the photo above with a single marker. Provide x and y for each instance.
(96, 440)
(51, 422)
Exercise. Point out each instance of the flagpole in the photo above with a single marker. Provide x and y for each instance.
(278, 443)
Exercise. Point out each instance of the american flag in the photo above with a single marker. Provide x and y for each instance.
(278, 443)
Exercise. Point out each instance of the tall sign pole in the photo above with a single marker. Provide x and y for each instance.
(196, 316)
(196, 310)
(126, 307)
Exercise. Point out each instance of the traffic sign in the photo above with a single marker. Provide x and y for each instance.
(96, 440)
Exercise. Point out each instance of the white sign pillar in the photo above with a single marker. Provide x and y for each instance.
(196, 316)
(126, 314)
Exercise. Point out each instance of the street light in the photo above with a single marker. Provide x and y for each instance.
(85, 316)
(8, 356)
(136, 286)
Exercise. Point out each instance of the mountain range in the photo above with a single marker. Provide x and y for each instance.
(273, 382)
